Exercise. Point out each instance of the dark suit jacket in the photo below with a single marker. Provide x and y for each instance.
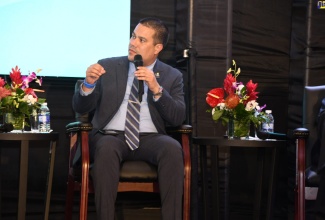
(321, 136)
(110, 90)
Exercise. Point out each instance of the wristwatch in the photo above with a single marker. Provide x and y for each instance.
(159, 93)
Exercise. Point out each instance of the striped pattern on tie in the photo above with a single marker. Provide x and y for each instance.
(133, 118)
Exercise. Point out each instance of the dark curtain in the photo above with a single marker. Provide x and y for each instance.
(307, 67)
(261, 47)
(213, 43)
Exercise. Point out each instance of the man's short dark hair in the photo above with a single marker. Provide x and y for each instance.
(162, 33)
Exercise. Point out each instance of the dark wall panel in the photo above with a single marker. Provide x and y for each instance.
(261, 47)
(212, 40)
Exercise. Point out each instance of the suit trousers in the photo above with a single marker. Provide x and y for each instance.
(158, 149)
(320, 200)
(318, 163)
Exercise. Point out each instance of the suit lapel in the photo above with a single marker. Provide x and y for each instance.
(122, 78)
(158, 71)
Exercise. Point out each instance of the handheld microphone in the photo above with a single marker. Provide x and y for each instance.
(138, 62)
(270, 135)
(6, 127)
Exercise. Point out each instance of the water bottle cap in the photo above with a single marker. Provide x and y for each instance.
(268, 111)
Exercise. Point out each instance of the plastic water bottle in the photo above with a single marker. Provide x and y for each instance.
(44, 118)
(268, 126)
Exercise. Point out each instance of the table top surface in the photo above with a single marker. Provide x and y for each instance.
(20, 136)
(251, 142)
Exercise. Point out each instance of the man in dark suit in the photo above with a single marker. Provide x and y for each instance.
(106, 90)
(318, 163)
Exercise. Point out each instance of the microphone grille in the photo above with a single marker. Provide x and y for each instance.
(138, 60)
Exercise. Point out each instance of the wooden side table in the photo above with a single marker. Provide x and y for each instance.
(24, 138)
(215, 143)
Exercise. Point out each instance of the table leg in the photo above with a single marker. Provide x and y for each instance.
(262, 154)
(215, 182)
(259, 183)
(23, 180)
(270, 200)
(49, 179)
(226, 175)
(204, 182)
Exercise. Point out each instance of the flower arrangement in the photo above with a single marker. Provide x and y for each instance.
(236, 102)
(17, 97)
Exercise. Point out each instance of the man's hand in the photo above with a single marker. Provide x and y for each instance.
(148, 77)
(92, 74)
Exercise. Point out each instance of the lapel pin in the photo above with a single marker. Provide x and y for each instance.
(157, 74)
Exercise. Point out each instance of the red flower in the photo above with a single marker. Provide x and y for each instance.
(214, 97)
(4, 92)
(16, 79)
(251, 87)
(232, 101)
(2, 82)
(30, 91)
(228, 83)
(235, 100)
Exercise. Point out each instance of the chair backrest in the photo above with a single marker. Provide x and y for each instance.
(313, 96)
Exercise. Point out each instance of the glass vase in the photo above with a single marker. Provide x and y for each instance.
(238, 129)
(17, 120)
(230, 129)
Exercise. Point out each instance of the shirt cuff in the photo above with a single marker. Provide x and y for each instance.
(156, 99)
(83, 93)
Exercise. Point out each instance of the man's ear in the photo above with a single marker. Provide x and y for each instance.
(158, 48)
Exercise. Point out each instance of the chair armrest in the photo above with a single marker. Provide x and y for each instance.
(182, 129)
(78, 126)
(301, 133)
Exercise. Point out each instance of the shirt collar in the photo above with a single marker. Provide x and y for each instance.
(132, 67)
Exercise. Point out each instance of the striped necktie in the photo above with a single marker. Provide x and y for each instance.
(132, 118)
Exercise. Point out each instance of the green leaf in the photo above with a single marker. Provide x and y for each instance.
(217, 114)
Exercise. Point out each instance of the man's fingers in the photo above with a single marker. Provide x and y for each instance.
(94, 72)
(98, 68)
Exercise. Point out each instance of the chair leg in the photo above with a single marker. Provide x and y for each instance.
(300, 180)
(69, 199)
(186, 199)
(84, 177)
(83, 207)
(84, 198)
(187, 179)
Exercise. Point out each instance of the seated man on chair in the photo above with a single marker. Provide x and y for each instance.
(109, 90)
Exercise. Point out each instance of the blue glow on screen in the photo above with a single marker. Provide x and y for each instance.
(62, 37)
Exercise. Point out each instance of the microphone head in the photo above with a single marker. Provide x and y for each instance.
(138, 60)
(270, 135)
(262, 135)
